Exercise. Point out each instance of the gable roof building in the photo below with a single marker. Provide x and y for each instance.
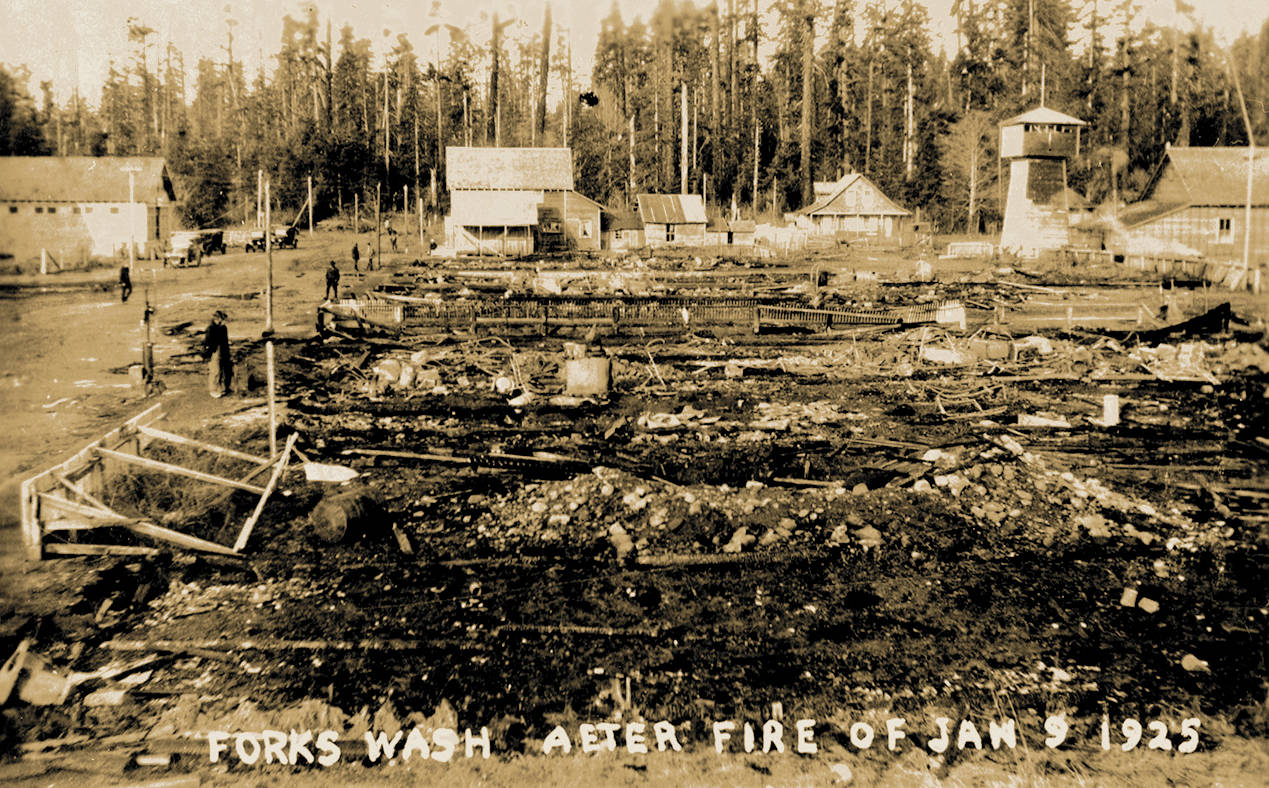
(855, 207)
(1195, 204)
(77, 207)
(672, 219)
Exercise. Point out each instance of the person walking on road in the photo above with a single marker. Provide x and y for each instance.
(370, 266)
(356, 256)
(332, 282)
(220, 364)
(125, 282)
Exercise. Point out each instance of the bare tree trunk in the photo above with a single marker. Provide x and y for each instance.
(868, 120)
(491, 124)
(731, 65)
(683, 138)
(808, 91)
(330, 79)
(544, 72)
(630, 186)
(715, 136)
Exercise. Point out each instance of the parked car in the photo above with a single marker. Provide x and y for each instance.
(285, 237)
(213, 241)
(185, 247)
(249, 240)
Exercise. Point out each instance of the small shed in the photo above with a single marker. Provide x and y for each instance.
(672, 219)
(855, 207)
(623, 231)
(730, 233)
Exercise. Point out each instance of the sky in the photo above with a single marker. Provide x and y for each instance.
(71, 42)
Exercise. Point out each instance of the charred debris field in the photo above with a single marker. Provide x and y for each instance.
(1014, 496)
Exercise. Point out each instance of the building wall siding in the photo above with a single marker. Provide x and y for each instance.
(1198, 229)
(77, 231)
(684, 234)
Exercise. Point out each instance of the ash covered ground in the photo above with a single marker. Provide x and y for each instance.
(916, 520)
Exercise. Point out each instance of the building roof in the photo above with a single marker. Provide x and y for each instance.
(83, 179)
(1043, 115)
(623, 220)
(1215, 176)
(881, 204)
(1140, 213)
(522, 169)
(671, 208)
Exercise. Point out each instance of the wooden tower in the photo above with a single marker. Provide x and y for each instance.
(1037, 144)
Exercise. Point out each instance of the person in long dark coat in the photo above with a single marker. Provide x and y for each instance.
(125, 283)
(356, 255)
(332, 281)
(220, 364)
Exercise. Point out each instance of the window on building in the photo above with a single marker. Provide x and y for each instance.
(75, 209)
(39, 209)
(114, 210)
(13, 209)
(52, 209)
(88, 209)
(669, 232)
(1226, 230)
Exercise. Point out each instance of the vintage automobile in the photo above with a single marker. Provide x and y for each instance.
(285, 237)
(249, 240)
(184, 247)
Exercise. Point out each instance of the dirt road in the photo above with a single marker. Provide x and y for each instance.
(65, 355)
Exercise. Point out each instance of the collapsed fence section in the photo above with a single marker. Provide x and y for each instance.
(685, 312)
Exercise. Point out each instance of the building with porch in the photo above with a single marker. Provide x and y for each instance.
(516, 201)
(855, 208)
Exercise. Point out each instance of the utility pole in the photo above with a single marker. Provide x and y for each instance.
(259, 194)
(310, 206)
(147, 343)
(268, 326)
(1251, 166)
(378, 234)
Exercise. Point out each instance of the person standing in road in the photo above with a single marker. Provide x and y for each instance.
(370, 266)
(125, 282)
(220, 364)
(356, 256)
(332, 282)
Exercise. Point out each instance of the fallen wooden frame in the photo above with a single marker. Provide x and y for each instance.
(62, 505)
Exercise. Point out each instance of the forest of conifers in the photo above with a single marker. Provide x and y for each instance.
(805, 90)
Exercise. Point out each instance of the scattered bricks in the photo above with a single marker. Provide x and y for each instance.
(1148, 605)
(1129, 597)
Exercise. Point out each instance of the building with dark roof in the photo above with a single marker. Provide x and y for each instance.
(1195, 205)
(79, 207)
(515, 201)
(672, 219)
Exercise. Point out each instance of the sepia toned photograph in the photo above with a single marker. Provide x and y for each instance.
(634, 392)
